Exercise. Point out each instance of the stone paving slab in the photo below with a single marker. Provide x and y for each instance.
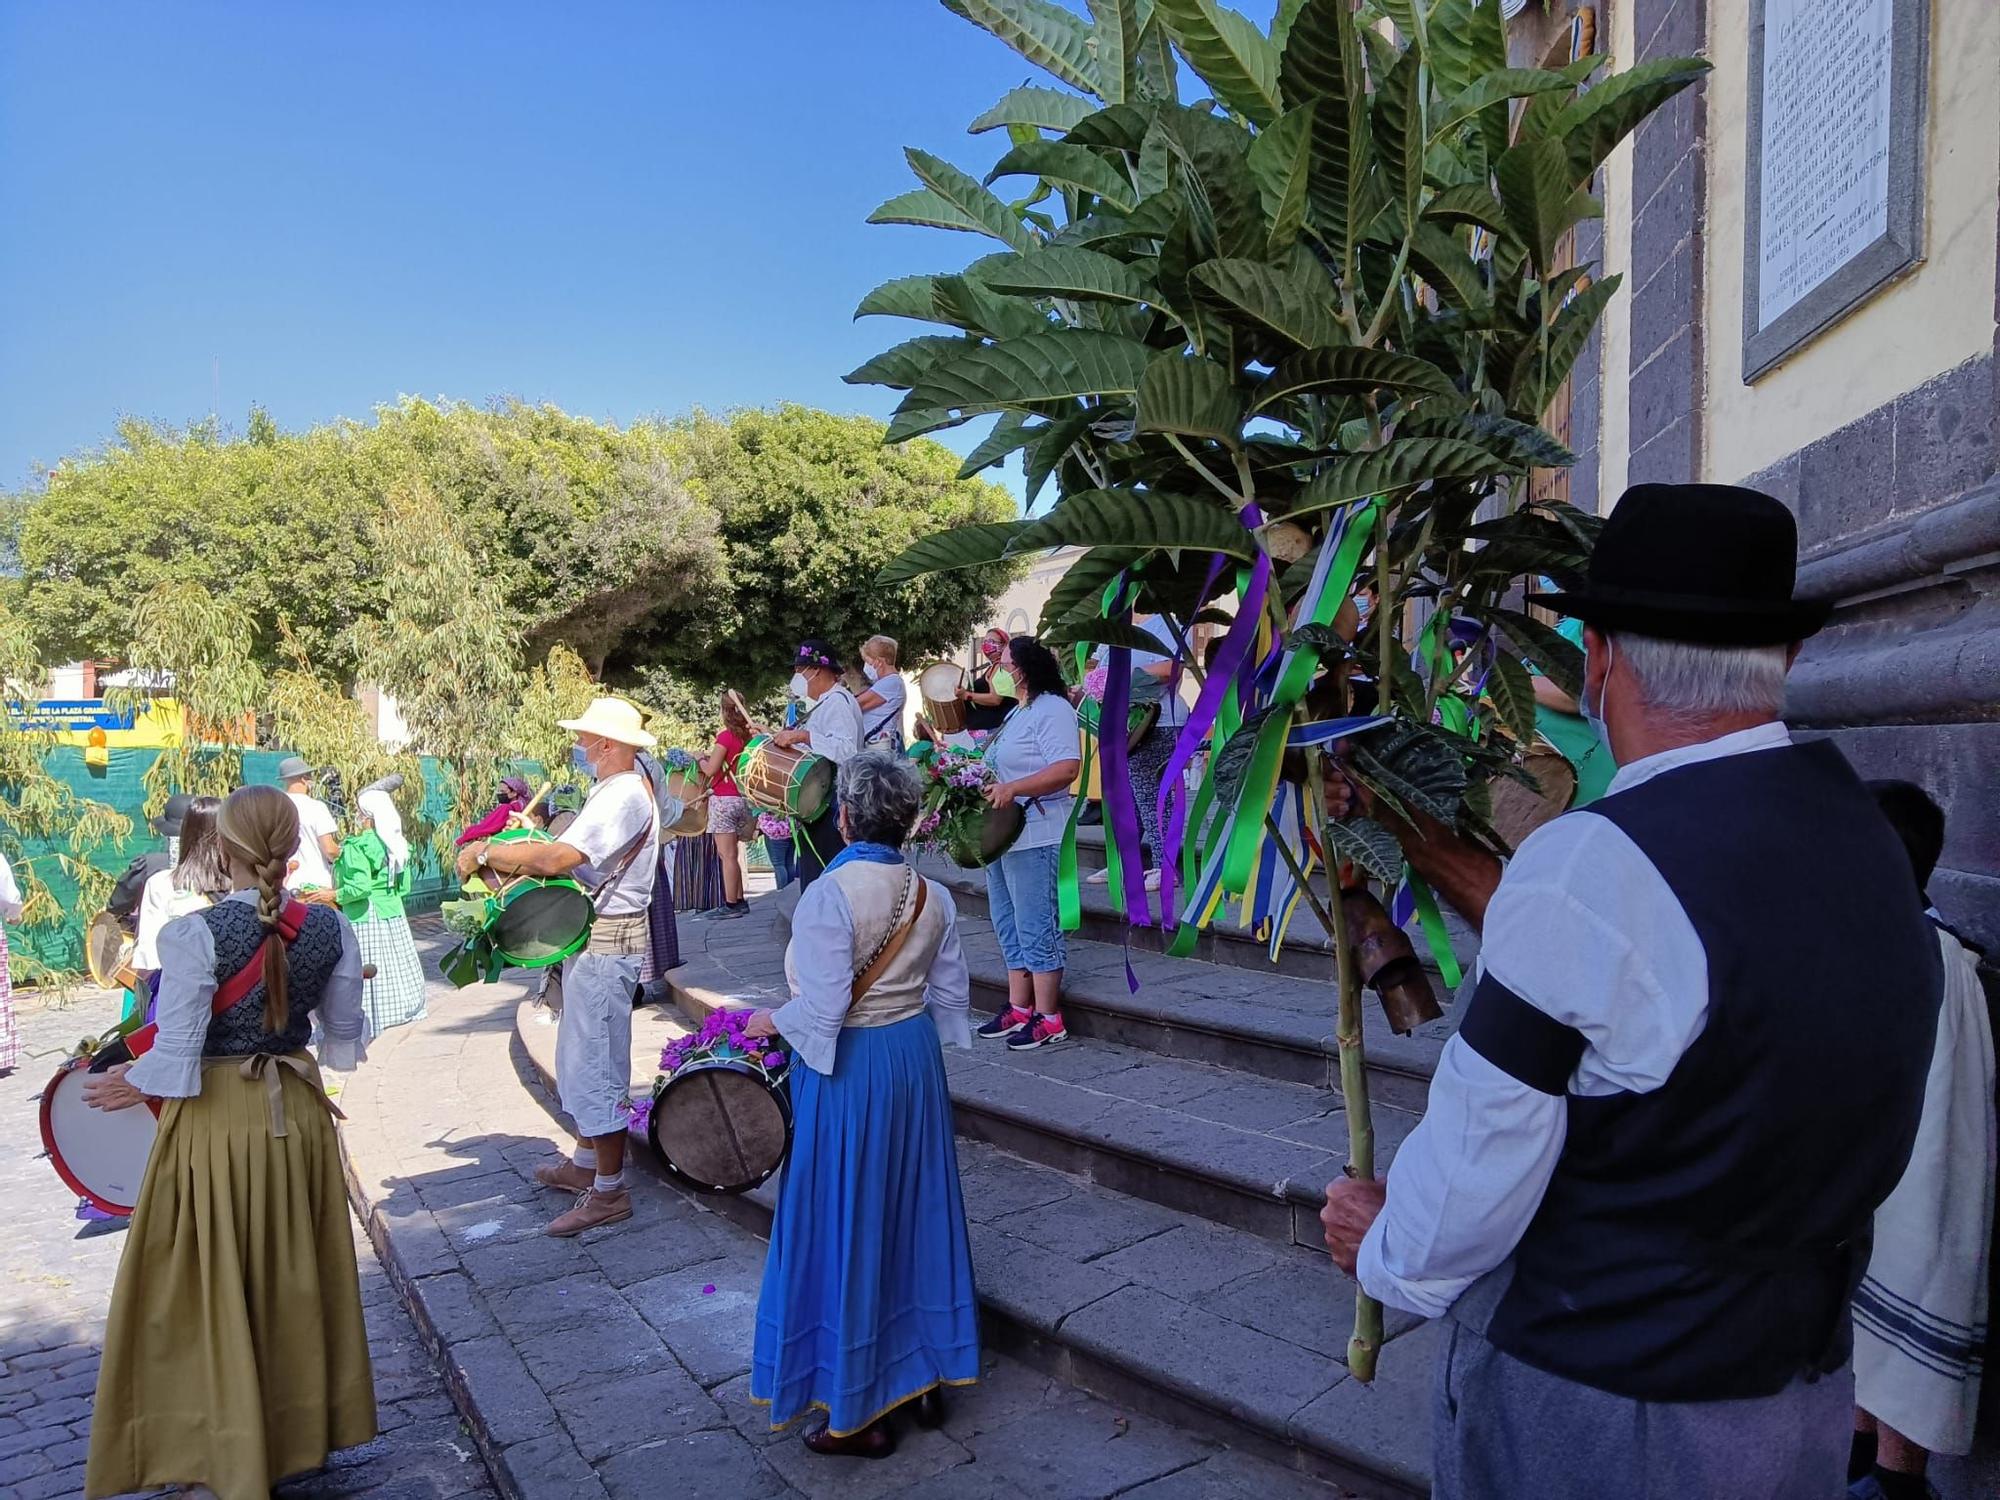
(614, 1365)
(56, 1291)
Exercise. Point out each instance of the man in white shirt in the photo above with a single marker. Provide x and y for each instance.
(833, 728)
(1691, 1068)
(612, 850)
(311, 866)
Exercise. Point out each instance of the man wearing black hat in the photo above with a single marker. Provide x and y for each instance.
(1692, 1066)
(131, 886)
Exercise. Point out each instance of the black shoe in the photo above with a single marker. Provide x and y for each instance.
(873, 1441)
(1005, 1023)
(929, 1409)
(739, 909)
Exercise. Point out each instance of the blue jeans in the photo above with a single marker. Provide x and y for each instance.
(1021, 896)
(784, 864)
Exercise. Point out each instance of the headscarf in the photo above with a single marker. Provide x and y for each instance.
(380, 808)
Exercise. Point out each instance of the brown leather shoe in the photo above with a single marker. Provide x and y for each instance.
(592, 1208)
(873, 1441)
(565, 1175)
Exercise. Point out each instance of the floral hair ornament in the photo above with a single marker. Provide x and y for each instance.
(818, 654)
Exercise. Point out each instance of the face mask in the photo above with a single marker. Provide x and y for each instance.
(872, 672)
(1594, 716)
(579, 758)
(798, 687)
(1362, 607)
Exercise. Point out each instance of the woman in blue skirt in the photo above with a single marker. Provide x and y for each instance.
(868, 1301)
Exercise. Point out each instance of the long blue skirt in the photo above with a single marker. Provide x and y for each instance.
(868, 1298)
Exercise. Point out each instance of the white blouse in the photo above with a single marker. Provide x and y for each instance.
(10, 893)
(172, 1069)
(822, 955)
(159, 904)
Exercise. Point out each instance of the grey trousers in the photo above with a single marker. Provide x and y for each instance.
(1504, 1430)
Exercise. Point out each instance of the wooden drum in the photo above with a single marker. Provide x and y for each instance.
(791, 782)
(939, 685)
(720, 1125)
(1517, 810)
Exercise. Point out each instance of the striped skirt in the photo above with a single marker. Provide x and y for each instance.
(10, 1030)
(395, 995)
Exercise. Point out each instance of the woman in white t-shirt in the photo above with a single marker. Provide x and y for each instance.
(882, 703)
(199, 878)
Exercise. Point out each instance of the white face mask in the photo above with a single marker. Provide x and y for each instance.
(798, 687)
(872, 672)
(1595, 715)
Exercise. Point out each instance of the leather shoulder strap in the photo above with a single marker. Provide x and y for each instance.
(865, 980)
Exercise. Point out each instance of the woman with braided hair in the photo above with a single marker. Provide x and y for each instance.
(235, 1352)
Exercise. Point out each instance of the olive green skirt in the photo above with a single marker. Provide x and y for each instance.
(235, 1353)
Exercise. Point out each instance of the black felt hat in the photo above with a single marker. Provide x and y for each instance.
(1709, 563)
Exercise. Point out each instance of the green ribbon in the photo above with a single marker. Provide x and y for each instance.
(1432, 921)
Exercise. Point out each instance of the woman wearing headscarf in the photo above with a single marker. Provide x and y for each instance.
(235, 1352)
(868, 1300)
(371, 876)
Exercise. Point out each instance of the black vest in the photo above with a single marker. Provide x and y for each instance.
(1702, 1241)
(310, 959)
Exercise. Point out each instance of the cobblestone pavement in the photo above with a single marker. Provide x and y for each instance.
(56, 1289)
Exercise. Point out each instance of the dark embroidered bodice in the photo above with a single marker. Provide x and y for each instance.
(312, 956)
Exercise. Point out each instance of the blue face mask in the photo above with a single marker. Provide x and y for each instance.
(580, 760)
(1594, 714)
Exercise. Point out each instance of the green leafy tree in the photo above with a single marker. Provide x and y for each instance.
(1333, 291)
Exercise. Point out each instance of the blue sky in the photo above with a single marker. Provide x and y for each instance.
(625, 209)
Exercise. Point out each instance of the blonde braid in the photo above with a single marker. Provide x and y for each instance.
(261, 828)
(277, 963)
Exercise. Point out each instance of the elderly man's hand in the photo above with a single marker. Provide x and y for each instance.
(468, 859)
(787, 738)
(1351, 1206)
(1345, 796)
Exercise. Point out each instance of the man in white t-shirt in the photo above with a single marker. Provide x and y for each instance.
(833, 729)
(311, 867)
(612, 850)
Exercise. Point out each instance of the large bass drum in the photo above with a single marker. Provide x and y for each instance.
(720, 1126)
(791, 782)
(99, 1154)
(107, 950)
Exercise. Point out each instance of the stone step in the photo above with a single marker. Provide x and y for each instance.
(1223, 1329)
(1307, 952)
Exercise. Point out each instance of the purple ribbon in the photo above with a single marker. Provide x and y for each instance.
(1121, 809)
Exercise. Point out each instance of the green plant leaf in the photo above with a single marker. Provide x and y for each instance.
(1233, 57)
(899, 367)
(1281, 163)
(1010, 432)
(1081, 588)
(1068, 272)
(1400, 465)
(1047, 450)
(1532, 388)
(1115, 40)
(1418, 766)
(1191, 396)
(973, 201)
(1366, 843)
(1559, 660)
(1294, 301)
(1450, 270)
(1322, 67)
(1050, 37)
(1120, 126)
(1036, 107)
(1400, 139)
(1524, 444)
(1345, 370)
(1215, 180)
(1054, 366)
(907, 423)
(1507, 84)
(1093, 630)
(1536, 190)
(1469, 42)
(924, 207)
(966, 303)
(904, 297)
(1513, 693)
(1594, 124)
(1467, 203)
(1159, 76)
(946, 551)
(1069, 166)
(1144, 519)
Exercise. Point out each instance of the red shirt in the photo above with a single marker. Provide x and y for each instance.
(724, 784)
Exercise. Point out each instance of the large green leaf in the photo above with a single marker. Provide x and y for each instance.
(945, 551)
(1220, 193)
(1366, 843)
(1400, 138)
(1464, 46)
(1047, 35)
(1010, 432)
(1513, 693)
(1281, 163)
(1467, 203)
(1535, 382)
(924, 207)
(909, 422)
(1601, 118)
(1115, 37)
(965, 302)
(1092, 630)
(1523, 444)
(1443, 262)
(1399, 465)
(1069, 166)
(901, 366)
(969, 198)
(1119, 126)
(1069, 272)
(1345, 370)
(1051, 444)
(1134, 518)
(1191, 396)
(1510, 83)
(904, 297)
(1294, 300)
(1036, 107)
(1159, 74)
(1233, 57)
(1322, 68)
(1418, 766)
(1537, 193)
(1206, 329)
(1081, 589)
(1558, 660)
(1054, 366)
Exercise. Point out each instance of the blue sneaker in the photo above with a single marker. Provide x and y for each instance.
(1042, 1031)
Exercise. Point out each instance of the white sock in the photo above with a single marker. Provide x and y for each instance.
(612, 1184)
(585, 1156)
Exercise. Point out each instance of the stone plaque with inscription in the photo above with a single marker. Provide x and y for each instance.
(1834, 192)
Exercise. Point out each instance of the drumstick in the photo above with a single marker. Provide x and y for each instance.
(547, 787)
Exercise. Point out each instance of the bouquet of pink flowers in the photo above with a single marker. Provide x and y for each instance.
(1093, 683)
(774, 826)
(955, 813)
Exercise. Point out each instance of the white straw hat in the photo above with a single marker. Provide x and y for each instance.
(614, 719)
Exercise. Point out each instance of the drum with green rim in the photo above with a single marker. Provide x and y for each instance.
(793, 782)
(534, 921)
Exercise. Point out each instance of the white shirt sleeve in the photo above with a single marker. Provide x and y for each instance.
(172, 1070)
(1584, 929)
(156, 900)
(10, 893)
(343, 1025)
(948, 990)
(834, 728)
(822, 962)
